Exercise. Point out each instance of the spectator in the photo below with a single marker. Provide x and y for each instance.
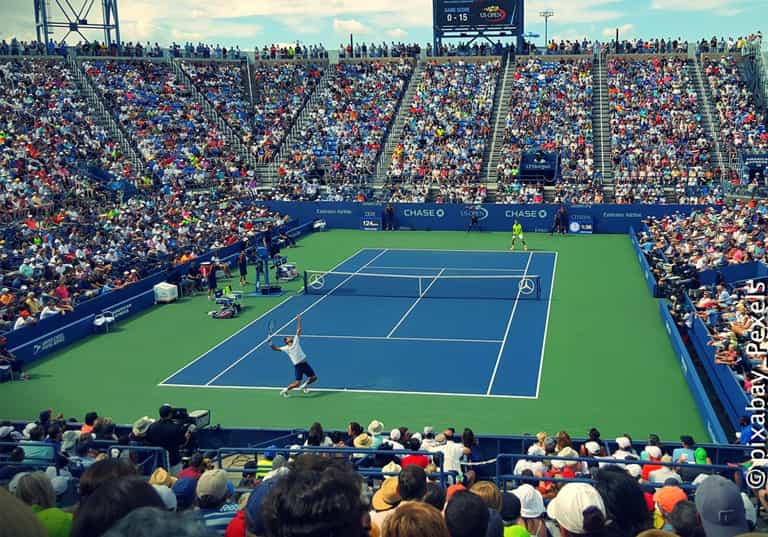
(170, 436)
(489, 492)
(665, 473)
(114, 500)
(213, 493)
(104, 471)
(415, 520)
(665, 499)
(624, 501)
(531, 510)
(720, 507)
(18, 519)
(88, 422)
(435, 496)
(579, 510)
(153, 522)
(685, 520)
(466, 515)
(315, 502)
(514, 526)
(196, 466)
(36, 490)
(411, 483)
(384, 501)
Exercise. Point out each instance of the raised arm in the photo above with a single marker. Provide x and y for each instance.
(278, 349)
(298, 325)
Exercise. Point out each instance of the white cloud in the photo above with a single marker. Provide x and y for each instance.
(727, 8)
(573, 11)
(397, 33)
(625, 30)
(349, 26)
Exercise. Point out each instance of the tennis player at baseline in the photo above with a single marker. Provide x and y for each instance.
(301, 367)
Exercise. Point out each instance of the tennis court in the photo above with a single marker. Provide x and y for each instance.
(438, 322)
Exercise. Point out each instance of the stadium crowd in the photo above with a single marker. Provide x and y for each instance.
(180, 144)
(48, 141)
(69, 483)
(445, 132)
(550, 109)
(678, 247)
(742, 126)
(657, 134)
(280, 92)
(49, 265)
(341, 137)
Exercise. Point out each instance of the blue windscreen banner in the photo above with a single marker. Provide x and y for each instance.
(581, 224)
(706, 410)
(492, 217)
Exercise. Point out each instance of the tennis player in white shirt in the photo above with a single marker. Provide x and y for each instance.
(301, 367)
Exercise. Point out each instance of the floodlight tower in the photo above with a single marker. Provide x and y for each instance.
(546, 13)
(63, 15)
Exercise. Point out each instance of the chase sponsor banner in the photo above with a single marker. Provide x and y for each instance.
(492, 217)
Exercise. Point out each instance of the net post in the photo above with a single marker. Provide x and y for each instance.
(306, 287)
(421, 287)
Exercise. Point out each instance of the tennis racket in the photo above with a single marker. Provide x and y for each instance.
(271, 328)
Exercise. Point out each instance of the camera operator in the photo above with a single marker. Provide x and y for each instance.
(169, 435)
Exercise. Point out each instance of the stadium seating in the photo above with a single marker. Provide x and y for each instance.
(657, 134)
(280, 91)
(445, 133)
(340, 140)
(743, 126)
(181, 145)
(551, 109)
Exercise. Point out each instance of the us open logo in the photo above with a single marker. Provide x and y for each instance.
(480, 212)
(575, 227)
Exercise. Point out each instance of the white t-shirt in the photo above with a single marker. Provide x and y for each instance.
(294, 351)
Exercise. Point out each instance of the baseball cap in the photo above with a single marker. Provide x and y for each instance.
(510, 507)
(668, 497)
(653, 451)
(721, 508)
(572, 503)
(253, 518)
(531, 502)
(212, 483)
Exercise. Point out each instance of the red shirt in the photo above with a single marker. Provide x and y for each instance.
(236, 527)
(418, 460)
(190, 472)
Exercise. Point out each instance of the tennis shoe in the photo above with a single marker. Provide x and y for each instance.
(303, 386)
(305, 389)
(284, 392)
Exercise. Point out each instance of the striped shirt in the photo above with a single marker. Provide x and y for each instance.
(218, 519)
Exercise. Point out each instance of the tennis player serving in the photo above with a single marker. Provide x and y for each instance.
(517, 233)
(301, 367)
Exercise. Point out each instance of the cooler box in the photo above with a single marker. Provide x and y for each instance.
(166, 292)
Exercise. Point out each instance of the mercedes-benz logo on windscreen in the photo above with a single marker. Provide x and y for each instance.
(526, 286)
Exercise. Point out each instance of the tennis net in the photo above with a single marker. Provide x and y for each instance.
(503, 287)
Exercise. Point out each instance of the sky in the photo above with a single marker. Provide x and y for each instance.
(246, 23)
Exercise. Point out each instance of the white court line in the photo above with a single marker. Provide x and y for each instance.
(434, 279)
(469, 251)
(473, 269)
(353, 390)
(546, 326)
(387, 338)
(315, 303)
(220, 343)
(509, 324)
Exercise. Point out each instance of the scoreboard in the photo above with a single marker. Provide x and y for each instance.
(506, 14)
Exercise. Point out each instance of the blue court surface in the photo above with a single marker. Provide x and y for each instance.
(436, 322)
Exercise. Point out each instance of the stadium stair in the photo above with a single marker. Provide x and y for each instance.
(230, 135)
(711, 126)
(269, 170)
(105, 119)
(396, 131)
(499, 118)
(601, 124)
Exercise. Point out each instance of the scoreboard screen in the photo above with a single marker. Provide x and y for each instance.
(464, 13)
